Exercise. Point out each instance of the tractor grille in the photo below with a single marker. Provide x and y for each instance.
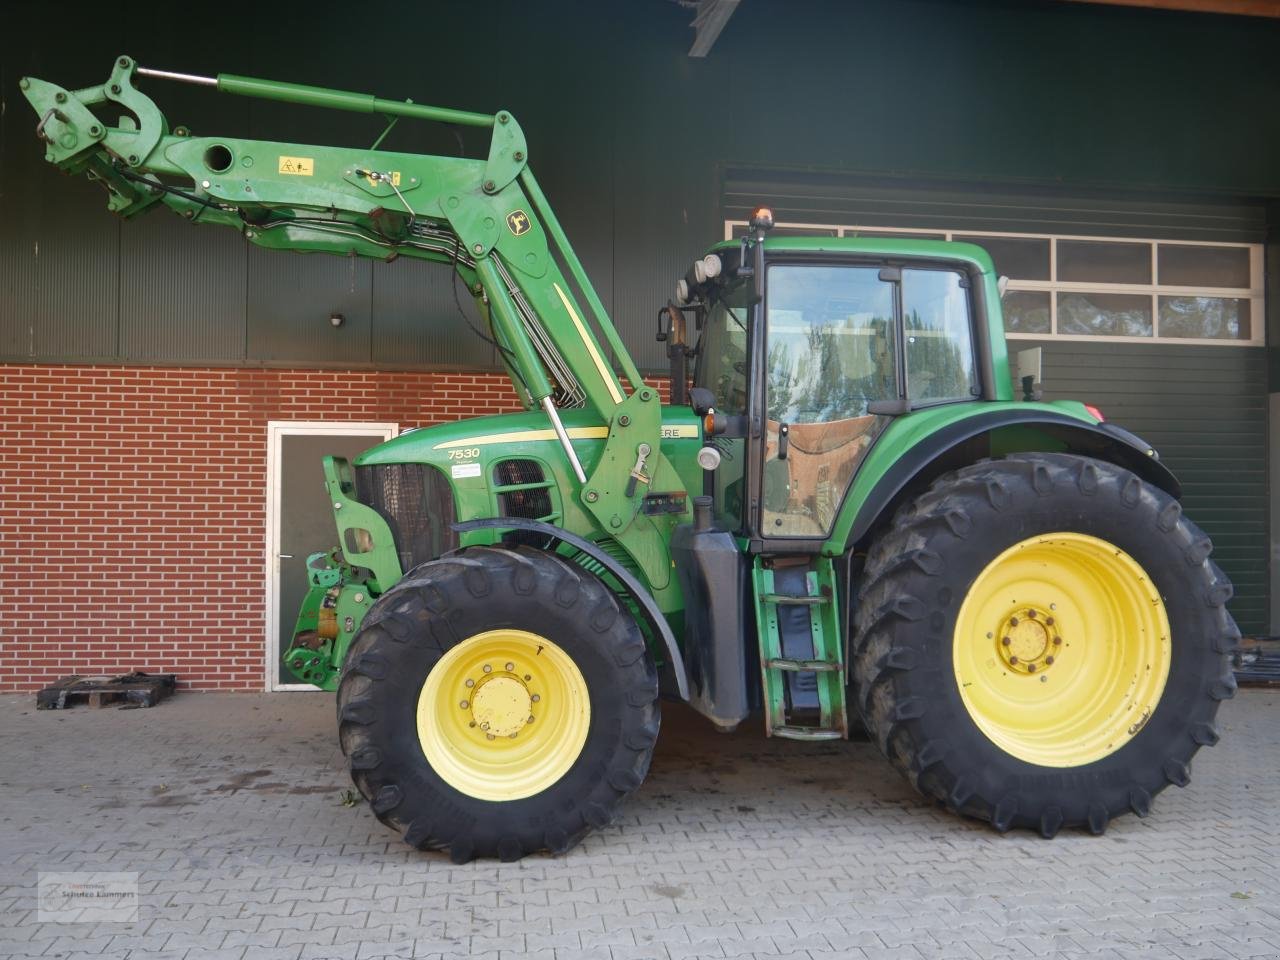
(417, 503)
(533, 502)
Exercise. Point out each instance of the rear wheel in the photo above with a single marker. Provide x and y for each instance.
(1042, 641)
(497, 702)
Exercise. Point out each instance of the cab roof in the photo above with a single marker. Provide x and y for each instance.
(878, 246)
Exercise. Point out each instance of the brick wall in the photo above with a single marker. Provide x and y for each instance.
(133, 507)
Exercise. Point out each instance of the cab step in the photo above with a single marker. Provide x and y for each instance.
(806, 733)
(801, 644)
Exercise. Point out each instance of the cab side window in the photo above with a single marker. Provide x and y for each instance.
(938, 336)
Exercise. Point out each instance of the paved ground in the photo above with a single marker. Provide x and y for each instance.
(229, 808)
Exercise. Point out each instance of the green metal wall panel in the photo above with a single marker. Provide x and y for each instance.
(292, 297)
(410, 296)
(1205, 410)
(627, 133)
(933, 204)
(59, 287)
(181, 295)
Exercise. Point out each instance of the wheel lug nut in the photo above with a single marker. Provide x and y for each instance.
(488, 736)
(1031, 668)
(470, 682)
(1057, 641)
(510, 667)
(485, 725)
(535, 698)
(488, 669)
(528, 676)
(472, 723)
(531, 718)
(1013, 621)
(511, 736)
(1031, 614)
(1013, 659)
(1048, 621)
(464, 704)
(1006, 641)
(1048, 659)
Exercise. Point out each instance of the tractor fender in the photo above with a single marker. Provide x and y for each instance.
(927, 459)
(673, 680)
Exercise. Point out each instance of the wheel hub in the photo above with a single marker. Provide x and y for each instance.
(504, 714)
(1029, 641)
(501, 705)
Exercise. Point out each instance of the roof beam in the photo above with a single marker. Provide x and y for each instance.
(1247, 8)
(710, 19)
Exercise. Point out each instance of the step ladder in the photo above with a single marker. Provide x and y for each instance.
(801, 648)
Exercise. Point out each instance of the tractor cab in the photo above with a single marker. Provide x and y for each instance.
(809, 348)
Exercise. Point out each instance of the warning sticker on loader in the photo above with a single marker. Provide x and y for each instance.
(298, 166)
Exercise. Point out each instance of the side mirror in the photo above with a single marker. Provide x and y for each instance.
(702, 400)
(1030, 365)
(671, 324)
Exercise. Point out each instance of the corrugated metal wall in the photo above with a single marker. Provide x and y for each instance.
(626, 132)
(1205, 410)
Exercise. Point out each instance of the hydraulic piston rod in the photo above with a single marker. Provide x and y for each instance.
(323, 97)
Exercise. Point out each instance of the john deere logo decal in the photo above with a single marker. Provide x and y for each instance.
(518, 221)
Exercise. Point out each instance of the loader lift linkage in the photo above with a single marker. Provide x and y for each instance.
(848, 518)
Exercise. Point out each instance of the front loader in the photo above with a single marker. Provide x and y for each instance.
(849, 517)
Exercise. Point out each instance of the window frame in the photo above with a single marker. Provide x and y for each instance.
(1255, 294)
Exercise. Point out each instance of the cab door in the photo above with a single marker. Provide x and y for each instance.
(831, 350)
(847, 346)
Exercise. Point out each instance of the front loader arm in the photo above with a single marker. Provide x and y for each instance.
(487, 218)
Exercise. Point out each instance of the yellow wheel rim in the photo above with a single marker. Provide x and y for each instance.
(1062, 649)
(503, 715)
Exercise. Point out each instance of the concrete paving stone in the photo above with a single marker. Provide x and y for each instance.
(290, 937)
(256, 940)
(313, 951)
(553, 941)
(246, 924)
(194, 941)
(703, 950)
(220, 953)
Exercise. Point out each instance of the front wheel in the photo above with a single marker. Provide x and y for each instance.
(1043, 641)
(497, 702)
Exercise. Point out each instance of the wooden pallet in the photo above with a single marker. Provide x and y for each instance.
(128, 690)
(1257, 662)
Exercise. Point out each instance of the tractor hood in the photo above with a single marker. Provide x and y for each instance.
(513, 464)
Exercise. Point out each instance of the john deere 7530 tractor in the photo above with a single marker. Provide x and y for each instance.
(850, 516)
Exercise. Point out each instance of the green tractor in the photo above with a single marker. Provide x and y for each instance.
(849, 517)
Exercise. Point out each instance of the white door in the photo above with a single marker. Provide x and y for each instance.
(300, 520)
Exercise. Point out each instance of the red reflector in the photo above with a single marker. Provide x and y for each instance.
(1095, 412)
